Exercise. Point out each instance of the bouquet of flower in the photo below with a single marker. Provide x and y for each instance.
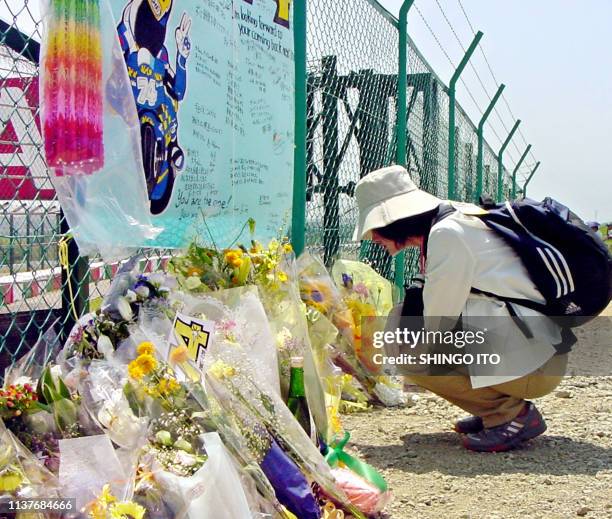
(275, 439)
(21, 474)
(99, 334)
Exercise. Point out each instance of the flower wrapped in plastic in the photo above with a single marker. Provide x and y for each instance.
(21, 474)
(363, 485)
(97, 335)
(275, 438)
(41, 416)
(189, 471)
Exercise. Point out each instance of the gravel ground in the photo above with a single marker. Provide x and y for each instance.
(567, 472)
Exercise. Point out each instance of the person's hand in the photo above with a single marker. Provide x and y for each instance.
(183, 42)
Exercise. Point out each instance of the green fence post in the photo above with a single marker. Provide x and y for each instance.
(516, 168)
(75, 283)
(452, 91)
(500, 164)
(298, 217)
(331, 186)
(402, 121)
(480, 133)
(529, 179)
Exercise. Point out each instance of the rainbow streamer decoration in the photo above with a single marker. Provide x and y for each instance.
(72, 88)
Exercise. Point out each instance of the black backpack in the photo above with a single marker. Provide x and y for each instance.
(568, 262)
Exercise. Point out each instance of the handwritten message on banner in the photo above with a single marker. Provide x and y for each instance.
(213, 84)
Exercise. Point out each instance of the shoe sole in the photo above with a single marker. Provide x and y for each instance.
(514, 443)
(465, 431)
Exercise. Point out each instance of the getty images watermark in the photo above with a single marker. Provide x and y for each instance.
(432, 340)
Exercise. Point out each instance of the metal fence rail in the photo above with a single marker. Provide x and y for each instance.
(351, 129)
(352, 65)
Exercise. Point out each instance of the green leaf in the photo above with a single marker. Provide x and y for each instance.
(132, 398)
(64, 392)
(251, 223)
(64, 413)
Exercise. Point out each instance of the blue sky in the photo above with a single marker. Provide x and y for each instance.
(556, 61)
(554, 57)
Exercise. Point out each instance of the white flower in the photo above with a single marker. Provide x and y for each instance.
(124, 309)
(130, 295)
(143, 291)
(185, 459)
(192, 282)
(157, 279)
(118, 419)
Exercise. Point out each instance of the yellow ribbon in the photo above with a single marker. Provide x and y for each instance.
(63, 259)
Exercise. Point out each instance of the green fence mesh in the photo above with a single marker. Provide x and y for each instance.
(352, 56)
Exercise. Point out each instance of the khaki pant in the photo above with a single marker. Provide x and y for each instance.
(500, 403)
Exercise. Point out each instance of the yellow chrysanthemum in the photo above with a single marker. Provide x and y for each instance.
(145, 347)
(135, 371)
(282, 276)
(10, 480)
(287, 248)
(146, 362)
(127, 510)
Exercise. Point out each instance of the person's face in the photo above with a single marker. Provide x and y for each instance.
(394, 247)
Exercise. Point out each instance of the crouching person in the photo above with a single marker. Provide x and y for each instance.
(465, 263)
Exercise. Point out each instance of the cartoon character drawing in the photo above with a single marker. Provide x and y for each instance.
(158, 89)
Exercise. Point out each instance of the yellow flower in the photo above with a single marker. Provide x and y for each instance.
(287, 248)
(127, 509)
(10, 479)
(134, 370)
(256, 248)
(179, 355)
(234, 257)
(273, 245)
(145, 347)
(142, 365)
(221, 370)
(282, 276)
(98, 508)
(167, 386)
(106, 496)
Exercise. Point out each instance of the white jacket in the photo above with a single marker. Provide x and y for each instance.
(462, 252)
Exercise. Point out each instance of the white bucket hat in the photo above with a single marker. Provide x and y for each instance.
(387, 195)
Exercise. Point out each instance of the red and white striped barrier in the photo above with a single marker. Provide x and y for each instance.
(24, 285)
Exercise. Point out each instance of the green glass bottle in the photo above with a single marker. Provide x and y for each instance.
(296, 402)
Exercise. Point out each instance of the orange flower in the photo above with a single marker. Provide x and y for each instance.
(179, 355)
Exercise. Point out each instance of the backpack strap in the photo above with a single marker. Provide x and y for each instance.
(568, 339)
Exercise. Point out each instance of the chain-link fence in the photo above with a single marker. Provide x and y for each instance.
(37, 289)
(352, 62)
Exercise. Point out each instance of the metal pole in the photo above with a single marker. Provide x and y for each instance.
(298, 220)
(516, 168)
(452, 90)
(500, 164)
(529, 179)
(480, 133)
(402, 122)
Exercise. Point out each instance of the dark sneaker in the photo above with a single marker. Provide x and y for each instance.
(509, 435)
(469, 424)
